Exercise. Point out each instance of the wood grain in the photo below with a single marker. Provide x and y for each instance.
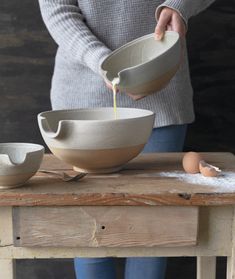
(137, 184)
(115, 226)
(214, 239)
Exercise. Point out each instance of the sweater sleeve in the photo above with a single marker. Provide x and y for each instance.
(66, 25)
(186, 8)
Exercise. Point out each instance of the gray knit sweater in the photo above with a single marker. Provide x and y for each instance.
(86, 31)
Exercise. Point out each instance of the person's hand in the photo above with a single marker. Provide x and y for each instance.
(109, 85)
(136, 97)
(171, 20)
(133, 96)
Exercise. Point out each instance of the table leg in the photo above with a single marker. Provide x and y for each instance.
(6, 239)
(231, 266)
(231, 259)
(6, 269)
(206, 267)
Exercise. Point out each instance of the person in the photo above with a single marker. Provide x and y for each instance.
(86, 32)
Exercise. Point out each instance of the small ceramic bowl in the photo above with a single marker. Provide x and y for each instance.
(92, 140)
(18, 163)
(145, 65)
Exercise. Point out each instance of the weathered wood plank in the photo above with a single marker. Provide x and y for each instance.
(97, 199)
(138, 184)
(120, 226)
(215, 239)
(153, 161)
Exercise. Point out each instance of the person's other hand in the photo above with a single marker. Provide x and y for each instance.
(170, 20)
(109, 85)
(136, 97)
(133, 96)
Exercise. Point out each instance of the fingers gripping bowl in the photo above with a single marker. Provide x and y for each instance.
(93, 141)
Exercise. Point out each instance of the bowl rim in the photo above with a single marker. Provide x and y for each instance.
(176, 34)
(38, 147)
(41, 115)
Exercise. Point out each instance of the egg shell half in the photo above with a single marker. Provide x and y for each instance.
(208, 170)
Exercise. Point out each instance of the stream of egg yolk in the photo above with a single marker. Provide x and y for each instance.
(115, 81)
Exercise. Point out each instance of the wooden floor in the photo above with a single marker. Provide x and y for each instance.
(181, 268)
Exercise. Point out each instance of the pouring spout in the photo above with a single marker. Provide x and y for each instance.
(108, 77)
(116, 81)
(46, 129)
(11, 160)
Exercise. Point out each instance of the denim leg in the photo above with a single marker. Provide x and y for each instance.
(145, 268)
(94, 268)
(166, 139)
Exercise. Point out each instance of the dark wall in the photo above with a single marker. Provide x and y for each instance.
(26, 65)
(211, 42)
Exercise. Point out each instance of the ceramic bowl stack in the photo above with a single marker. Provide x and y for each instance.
(18, 163)
(92, 141)
(145, 65)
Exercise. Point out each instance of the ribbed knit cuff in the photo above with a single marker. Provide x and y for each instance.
(177, 5)
(94, 58)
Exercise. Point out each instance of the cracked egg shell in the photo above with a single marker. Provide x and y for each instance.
(208, 170)
(191, 162)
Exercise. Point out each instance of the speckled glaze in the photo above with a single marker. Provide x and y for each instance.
(93, 141)
(144, 65)
(18, 163)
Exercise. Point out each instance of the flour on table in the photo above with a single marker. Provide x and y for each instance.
(225, 181)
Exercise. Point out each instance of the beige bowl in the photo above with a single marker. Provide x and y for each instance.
(93, 141)
(18, 163)
(145, 65)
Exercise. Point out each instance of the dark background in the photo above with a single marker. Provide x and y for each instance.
(26, 65)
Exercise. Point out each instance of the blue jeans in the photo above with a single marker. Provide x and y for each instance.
(165, 139)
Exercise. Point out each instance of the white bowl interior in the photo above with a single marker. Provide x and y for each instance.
(97, 114)
(17, 151)
(138, 52)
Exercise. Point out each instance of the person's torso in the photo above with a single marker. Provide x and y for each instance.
(117, 22)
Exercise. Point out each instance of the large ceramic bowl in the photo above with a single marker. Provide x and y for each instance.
(93, 141)
(144, 65)
(18, 163)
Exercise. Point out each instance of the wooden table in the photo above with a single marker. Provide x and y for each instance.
(136, 212)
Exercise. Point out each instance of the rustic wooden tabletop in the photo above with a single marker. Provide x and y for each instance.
(141, 182)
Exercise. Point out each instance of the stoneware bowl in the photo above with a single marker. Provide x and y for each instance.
(18, 163)
(93, 141)
(145, 65)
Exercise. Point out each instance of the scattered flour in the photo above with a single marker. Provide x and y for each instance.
(226, 180)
